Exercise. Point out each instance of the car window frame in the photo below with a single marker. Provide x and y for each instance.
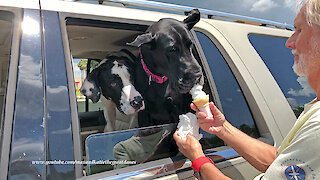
(73, 99)
(10, 90)
(70, 76)
(224, 53)
(76, 128)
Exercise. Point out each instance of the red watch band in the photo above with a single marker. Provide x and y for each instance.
(197, 163)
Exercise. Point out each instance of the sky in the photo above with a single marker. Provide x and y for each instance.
(283, 11)
(77, 71)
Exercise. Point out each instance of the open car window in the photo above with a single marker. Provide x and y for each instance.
(130, 148)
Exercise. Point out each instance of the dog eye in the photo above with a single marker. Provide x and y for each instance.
(173, 49)
(189, 44)
(113, 84)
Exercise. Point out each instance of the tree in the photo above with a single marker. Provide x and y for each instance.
(82, 64)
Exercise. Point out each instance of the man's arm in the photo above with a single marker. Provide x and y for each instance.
(191, 148)
(257, 153)
(209, 172)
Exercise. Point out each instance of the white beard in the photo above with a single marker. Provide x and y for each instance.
(308, 61)
(300, 67)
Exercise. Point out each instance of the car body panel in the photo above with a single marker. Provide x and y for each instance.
(41, 91)
(28, 122)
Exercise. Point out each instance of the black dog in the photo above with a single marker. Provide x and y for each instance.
(168, 70)
(114, 79)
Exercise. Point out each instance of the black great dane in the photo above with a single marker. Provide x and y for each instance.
(165, 71)
(168, 70)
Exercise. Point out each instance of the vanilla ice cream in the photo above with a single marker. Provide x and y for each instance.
(201, 99)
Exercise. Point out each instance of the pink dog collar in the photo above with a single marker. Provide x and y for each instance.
(152, 77)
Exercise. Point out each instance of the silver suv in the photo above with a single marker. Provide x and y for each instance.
(50, 131)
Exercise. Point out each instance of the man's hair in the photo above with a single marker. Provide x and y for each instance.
(312, 11)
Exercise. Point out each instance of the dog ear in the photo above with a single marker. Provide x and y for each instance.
(192, 19)
(141, 39)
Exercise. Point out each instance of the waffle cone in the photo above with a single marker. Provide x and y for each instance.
(201, 103)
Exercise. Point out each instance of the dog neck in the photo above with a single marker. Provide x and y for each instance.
(151, 76)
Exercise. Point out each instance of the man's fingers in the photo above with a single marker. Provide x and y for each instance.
(201, 115)
(205, 121)
(176, 136)
(213, 108)
(188, 137)
(194, 107)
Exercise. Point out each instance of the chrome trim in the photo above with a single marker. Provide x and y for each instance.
(162, 169)
(209, 13)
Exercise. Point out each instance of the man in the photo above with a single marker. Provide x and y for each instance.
(298, 155)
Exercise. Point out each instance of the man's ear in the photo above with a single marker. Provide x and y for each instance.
(141, 39)
(192, 19)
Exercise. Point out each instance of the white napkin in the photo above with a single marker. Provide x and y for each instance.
(188, 124)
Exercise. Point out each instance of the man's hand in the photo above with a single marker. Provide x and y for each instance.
(190, 147)
(212, 125)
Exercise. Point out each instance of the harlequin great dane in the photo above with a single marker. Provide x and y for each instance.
(113, 78)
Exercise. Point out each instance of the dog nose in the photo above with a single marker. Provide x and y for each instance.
(137, 103)
(191, 78)
(83, 91)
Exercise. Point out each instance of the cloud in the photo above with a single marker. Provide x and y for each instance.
(247, 3)
(291, 4)
(274, 10)
(305, 91)
(263, 5)
(292, 102)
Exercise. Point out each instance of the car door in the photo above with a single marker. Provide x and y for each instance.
(91, 31)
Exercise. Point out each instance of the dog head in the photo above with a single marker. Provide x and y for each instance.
(113, 79)
(167, 50)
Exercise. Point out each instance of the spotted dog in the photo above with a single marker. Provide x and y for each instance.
(113, 78)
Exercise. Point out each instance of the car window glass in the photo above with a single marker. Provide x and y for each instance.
(279, 61)
(233, 102)
(6, 19)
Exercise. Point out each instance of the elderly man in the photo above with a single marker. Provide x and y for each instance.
(299, 152)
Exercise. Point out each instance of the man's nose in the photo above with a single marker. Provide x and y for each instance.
(291, 43)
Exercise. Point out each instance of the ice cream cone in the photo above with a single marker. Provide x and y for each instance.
(202, 102)
(206, 110)
(201, 99)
